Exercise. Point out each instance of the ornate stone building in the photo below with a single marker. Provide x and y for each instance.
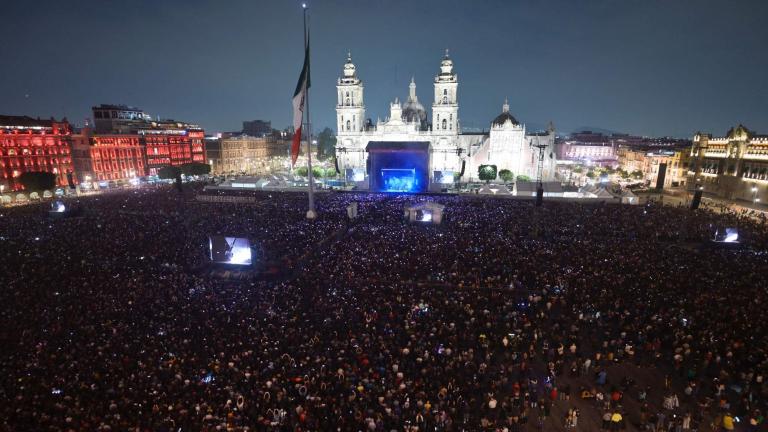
(507, 146)
(733, 167)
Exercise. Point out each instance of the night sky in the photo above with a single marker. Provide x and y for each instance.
(647, 67)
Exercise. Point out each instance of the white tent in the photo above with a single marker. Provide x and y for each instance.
(486, 190)
(501, 190)
(429, 212)
(602, 193)
(627, 197)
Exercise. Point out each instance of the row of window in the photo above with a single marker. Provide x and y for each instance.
(114, 166)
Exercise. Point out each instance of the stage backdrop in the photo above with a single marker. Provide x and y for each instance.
(398, 166)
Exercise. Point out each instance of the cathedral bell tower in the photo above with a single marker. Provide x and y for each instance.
(350, 111)
(445, 109)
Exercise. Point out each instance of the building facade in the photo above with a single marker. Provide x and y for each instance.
(117, 157)
(251, 155)
(588, 148)
(172, 143)
(507, 145)
(649, 161)
(734, 166)
(213, 154)
(119, 119)
(28, 144)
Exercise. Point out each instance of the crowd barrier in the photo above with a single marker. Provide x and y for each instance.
(226, 199)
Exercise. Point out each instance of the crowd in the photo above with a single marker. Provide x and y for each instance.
(505, 317)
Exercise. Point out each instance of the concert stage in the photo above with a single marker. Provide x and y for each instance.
(398, 166)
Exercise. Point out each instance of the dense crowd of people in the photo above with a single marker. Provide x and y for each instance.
(505, 317)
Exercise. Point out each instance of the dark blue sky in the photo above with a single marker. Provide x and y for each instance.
(650, 67)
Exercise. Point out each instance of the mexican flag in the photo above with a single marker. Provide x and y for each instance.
(299, 102)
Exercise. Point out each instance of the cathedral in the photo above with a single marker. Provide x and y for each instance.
(447, 151)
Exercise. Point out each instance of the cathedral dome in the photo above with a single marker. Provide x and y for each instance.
(413, 110)
(505, 116)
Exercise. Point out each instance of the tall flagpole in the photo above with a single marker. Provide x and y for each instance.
(311, 213)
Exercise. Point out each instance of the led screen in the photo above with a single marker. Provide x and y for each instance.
(355, 174)
(444, 177)
(230, 250)
(58, 207)
(424, 215)
(399, 180)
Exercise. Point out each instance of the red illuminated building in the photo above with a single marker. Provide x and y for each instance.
(117, 157)
(28, 144)
(172, 143)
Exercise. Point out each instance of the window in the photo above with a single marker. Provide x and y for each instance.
(445, 123)
(349, 124)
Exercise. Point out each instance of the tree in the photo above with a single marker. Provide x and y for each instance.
(578, 169)
(591, 174)
(637, 174)
(169, 172)
(486, 172)
(301, 171)
(195, 168)
(506, 175)
(523, 178)
(37, 180)
(326, 144)
(317, 172)
(330, 173)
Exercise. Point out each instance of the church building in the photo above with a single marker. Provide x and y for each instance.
(446, 151)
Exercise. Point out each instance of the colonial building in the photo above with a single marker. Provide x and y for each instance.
(507, 146)
(120, 119)
(117, 157)
(733, 167)
(588, 148)
(649, 161)
(28, 144)
(213, 154)
(170, 142)
(252, 155)
(127, 143)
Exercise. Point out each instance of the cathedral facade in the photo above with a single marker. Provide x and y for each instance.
(506, 145)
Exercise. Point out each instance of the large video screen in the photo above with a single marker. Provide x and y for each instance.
(444, 177)
(355, 174)
(398, 179)
(58, 207)
(230, 250)
(424, 216)
(727, 235)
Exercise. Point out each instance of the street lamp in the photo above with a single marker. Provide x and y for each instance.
(755, 199)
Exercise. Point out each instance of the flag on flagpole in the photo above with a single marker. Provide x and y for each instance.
(299, 103)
